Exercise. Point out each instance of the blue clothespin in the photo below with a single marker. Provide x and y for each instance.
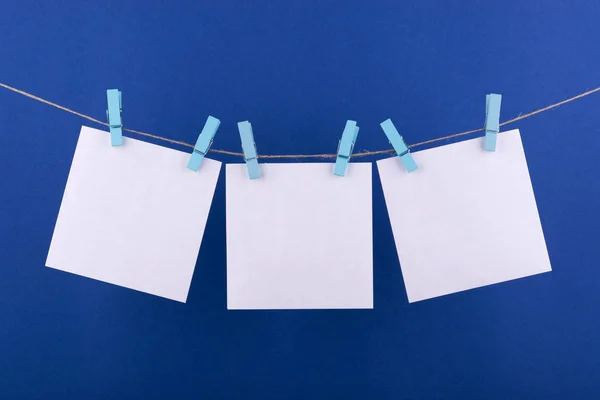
(113, 114)
(492, 120)
(398, 144)
(345, 147)
(203, 143)
(249, 146)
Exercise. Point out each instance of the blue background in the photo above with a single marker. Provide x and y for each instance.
(298, 70)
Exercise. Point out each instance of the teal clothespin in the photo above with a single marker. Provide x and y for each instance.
(113, 114)
(249, 147)
(203, 143)
(345, 147)
(398, 144)
(492, 120)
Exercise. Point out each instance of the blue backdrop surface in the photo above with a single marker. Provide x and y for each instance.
(298, 70)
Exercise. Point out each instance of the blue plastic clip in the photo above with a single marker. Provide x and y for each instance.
(345, 147)
(113, 114)
(249, 146)
(203, 143)
(398, 144)
(492, 120)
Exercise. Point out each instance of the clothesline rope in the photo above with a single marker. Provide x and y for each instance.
(294, 156)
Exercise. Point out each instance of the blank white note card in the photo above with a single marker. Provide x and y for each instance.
(465, 218)
(299, 237)
(133, 215)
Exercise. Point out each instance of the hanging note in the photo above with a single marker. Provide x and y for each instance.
(299, 237)
(133, 215)
(464, 219)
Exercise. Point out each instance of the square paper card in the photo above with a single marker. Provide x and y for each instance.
(465, 218)
(133, 215)
(299, 237)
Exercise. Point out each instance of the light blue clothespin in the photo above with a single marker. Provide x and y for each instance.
(249, 146)
(113, 114)
(398, 144)
(203, 143)
(492, 120)
(345, 147)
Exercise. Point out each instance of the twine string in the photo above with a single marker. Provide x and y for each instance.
(297, 156)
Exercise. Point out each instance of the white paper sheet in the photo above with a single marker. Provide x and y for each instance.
(299, 237)
(466, 218)
(133, 215)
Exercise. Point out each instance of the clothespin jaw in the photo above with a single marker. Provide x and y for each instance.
(249, 147)
(113, 114)
(398, 144)
(203, 143)
(345, 148)
(492, 120)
